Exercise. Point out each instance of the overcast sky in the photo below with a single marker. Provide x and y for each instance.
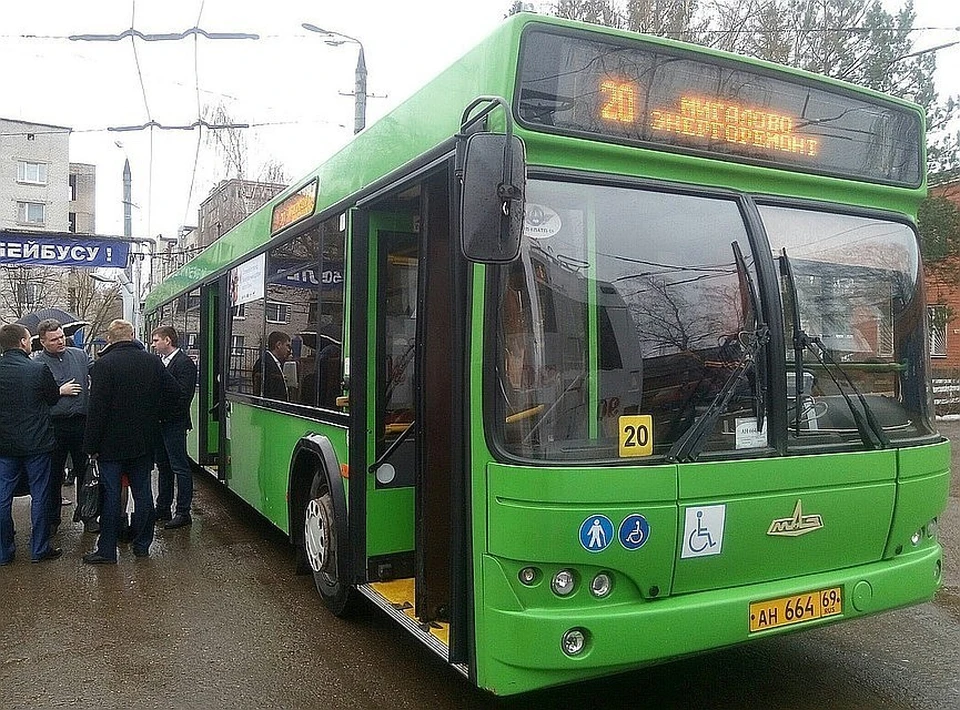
(289, 77)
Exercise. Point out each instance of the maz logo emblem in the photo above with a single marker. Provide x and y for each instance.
(797, 525)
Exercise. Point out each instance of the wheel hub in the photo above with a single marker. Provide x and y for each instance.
(317, 536)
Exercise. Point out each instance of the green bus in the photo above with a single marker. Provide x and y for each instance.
(604, 350)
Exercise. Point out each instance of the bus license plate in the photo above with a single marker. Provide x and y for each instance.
(795, 609)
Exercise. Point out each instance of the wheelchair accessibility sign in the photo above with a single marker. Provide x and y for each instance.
(703, 531)
(634, 532)
(596, 533)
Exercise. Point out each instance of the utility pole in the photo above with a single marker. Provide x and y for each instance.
(360, 94)
(129, 295)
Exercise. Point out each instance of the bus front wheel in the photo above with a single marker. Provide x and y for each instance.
(322, 532)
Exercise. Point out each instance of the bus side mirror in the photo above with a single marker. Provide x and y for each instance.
(492, 198)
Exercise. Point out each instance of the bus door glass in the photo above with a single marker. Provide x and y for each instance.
(208, 348)
(391, 395)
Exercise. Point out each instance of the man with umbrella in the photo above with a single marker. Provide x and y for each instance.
(71, 370)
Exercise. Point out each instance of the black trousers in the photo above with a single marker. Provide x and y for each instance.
(68, 432)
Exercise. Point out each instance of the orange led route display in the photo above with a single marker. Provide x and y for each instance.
(710, 120)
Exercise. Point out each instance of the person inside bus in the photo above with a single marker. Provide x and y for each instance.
(268, 380)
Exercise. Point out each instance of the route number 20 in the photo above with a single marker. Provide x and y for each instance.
(636, 435)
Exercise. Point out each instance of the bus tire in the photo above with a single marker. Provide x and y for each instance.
(323, 537)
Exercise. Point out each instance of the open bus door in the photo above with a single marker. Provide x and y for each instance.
(211, 349)
(410, 542)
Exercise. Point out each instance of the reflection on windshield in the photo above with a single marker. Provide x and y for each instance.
(858, 291)
(623, 303)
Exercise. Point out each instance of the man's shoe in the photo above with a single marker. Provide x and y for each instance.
(7, 562)
(179, 521)
(164, 517)
(141, 552)
(51, 554)
(95, 558)
(92, 527)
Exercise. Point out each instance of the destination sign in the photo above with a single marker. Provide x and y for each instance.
(668, 98)
(295, 207)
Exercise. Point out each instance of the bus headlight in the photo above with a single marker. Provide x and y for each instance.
(933, 528)
(563, 583)
(916, 537)
(573, 642)
(529, 575)
(601, 585)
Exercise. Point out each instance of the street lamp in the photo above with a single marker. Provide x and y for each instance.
(127, 294)
(360, 86)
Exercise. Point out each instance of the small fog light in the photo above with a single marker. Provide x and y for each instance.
(529, 575)
(933, 528)
(563, 583)
(573, 642)
(601, 585)
(916, 537)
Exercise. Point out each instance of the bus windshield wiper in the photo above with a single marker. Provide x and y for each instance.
(688, 446)
(870, 430)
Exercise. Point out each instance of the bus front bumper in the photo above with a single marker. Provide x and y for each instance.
(520, 649)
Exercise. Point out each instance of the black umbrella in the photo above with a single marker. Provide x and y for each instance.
(69, 322)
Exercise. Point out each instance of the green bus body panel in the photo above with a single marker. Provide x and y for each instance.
(535, 516)
(390, 526)
(261, 450)
(522, 642)
(922, 493)
(193, 435)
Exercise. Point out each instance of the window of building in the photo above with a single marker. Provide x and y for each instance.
(73, 222)
(277, 312)
(937, 317)
(236, 345)
(34, 173)
(28, 295)
(239, 311)
(73, 187)
(31, 212)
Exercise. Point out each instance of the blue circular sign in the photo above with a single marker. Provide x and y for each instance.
(634, 532)
(596, 533)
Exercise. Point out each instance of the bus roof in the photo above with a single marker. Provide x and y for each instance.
(423, 128)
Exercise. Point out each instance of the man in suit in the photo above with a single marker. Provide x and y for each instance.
(171, 449)
(268, 378)
(128, 388)
(27, 390)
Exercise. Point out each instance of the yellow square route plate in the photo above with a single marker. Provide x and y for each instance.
(795, 609)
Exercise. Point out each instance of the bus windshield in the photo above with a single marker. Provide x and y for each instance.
(630, 302)
(858, 295)
(624, 302)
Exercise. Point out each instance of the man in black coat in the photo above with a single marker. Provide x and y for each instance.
(171, 449)
(27, 390)
(268, 380)
(127, 389)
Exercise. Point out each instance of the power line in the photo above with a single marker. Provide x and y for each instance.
(195, 32)
(195, 124)
(196, 86)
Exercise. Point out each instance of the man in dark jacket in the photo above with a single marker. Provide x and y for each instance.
(268, 380)
(171, 450)
(27, 390)
(71, 369)
(127, 388)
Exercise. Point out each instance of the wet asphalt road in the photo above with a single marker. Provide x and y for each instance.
(216, 619)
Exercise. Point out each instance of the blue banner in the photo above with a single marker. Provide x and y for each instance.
(62, 250)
